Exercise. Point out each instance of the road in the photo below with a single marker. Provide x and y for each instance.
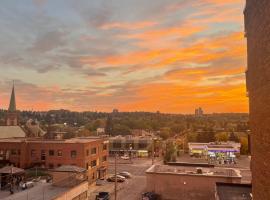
(132, 188)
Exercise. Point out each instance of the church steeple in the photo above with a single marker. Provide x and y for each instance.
(12, 115)
(12, 104)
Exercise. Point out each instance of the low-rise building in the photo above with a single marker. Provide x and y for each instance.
(188, 182)
(89, 153)
(137, 146)
(226, 150)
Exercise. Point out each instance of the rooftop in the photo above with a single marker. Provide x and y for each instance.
(11, 132)
(194, 171)
(38, 192)
(69, 168)
(228, 191)
(39, 140)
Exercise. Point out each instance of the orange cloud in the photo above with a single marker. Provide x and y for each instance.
(176, 98)
(128, 26)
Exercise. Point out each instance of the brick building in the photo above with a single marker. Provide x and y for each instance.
(257, 28)
(88, 153)
(188, 182)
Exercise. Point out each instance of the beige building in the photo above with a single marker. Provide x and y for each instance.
(187, 182)
(257, 28)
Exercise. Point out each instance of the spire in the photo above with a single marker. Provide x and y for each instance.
(12, 104)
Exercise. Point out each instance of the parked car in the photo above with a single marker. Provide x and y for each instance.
(103, 196)
(125, 174)
(125, 157)
(150, 196)
(119, 178)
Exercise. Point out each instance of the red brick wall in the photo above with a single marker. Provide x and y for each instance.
(257, 25)
(26, 159)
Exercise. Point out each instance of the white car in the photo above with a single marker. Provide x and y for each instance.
(125, 157)
(125, 174)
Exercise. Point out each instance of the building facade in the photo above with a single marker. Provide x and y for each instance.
(88, 153)
(186, 182)
(137, 146)
(257, 31)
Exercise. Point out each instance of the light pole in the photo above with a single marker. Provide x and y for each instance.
(153, 150)
(130, 153)
(115, 176)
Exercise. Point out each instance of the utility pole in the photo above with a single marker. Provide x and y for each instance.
(153, 149)
(115, 176)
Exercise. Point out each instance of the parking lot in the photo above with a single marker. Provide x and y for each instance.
(132, 188)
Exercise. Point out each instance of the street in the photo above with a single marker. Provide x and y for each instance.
(132, 188)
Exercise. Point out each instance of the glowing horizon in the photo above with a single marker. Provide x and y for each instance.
(170, 56)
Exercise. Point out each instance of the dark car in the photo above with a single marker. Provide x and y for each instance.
(103, 196)
(150, 196)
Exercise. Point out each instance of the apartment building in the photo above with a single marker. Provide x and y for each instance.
(89, 153)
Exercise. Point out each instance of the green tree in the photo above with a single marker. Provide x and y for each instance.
(109, 125)
(233, 137)
(222, 137)
(170, 152)
(165, 133)
(244, 145)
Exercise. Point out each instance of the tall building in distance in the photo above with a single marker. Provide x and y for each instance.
(12, 115)
(198, 112)
(257, 31)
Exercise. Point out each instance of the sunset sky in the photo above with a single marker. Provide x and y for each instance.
(134, 55)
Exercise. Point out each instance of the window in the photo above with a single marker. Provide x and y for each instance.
(59, 165)
(73, 154)
(93, 163)
(143, 145)
(105, 147)
(87, 152)
(87, 165)
(117, 145)
(94, 151)
(129, 146)
(43, 155)
(19, 152)
(13, 152)
(59, 153)
(51, 166)
(51, 152)
(104, 158)
(33, 152)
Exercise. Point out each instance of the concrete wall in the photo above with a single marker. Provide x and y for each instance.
(257, 25)
(188, 187)
(74, 192)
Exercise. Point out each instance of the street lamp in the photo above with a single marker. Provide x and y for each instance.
(153, 150)
(130, 153)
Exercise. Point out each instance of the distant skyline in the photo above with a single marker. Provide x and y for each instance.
(170, 56)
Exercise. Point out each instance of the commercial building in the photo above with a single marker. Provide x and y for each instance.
(257, 31)
(88, 153)
(137, 146)
(213, 150)
(188, 182)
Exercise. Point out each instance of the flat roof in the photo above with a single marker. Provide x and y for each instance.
(192, 170)
(69, 168)
(228, 191)
(39, 140)
(11, 132)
